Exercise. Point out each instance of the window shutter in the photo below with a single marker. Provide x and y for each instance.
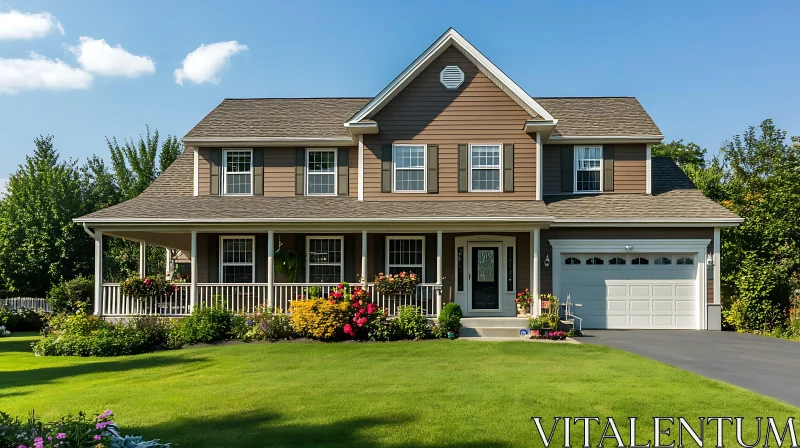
(343, 169)
(508, 167)
(216, 161)
(300, 172)
(386, 168)
(349, 256)
(261, 258)
(608, 167)
(378, 245)
(213, 258)
(433, 168)
(463, 156)
(567, 169)
(258, 172)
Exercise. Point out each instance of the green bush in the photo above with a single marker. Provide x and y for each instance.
(449, 319)
(72, 296)
(23, 319)
(207, 324)
(410, 323)
(264, 325)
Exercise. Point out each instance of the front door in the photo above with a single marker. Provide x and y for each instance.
(485, 286)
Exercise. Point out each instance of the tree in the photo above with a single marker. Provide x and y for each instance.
(682, 153)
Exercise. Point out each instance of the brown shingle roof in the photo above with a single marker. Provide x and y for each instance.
(599, 116)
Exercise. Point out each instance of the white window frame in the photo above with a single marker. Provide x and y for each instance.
(224, 171)
(499, 168)
(222, 264)
(387, 265)
(424, 167)
(308, 255)
(575, 169)
(335, 171)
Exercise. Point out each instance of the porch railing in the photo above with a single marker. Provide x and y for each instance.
(15, 303)
(117, 304)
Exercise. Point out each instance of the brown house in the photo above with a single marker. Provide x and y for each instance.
(452, 172)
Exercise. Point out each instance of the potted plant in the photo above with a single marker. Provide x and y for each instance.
(289, 263)
(535, 324)
(451, 335)
(403, 283)
(523, 301)
(552, 322)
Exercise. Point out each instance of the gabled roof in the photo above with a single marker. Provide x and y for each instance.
(600, 116)
(448, 39)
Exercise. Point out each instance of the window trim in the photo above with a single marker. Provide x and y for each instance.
(424, 167)
(222, 264)
(308, 255)
(387, 266)
(499, 168)
(335, 171)
(575, 169)
(224, 170)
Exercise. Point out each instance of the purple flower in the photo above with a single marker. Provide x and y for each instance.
(97, 437)
(61, 435)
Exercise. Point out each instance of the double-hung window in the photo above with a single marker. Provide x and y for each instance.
(237, 259)
(484, 167)
(325, 255)
(588, 161)
(405, 254)
(409, 168)
(321, 172)
(237, 166)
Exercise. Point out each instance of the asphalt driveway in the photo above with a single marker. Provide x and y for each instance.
(764, 365)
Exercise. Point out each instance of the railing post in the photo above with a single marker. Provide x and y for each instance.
(270, 268)
(98, 273)
(170, 268)
(193, 291)
(142, 259)
(438, 272)
(364, 257)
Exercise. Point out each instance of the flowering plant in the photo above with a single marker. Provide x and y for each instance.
(558, 335)
(147, 288)
(4, 332)
(523, 298)
(402, 283)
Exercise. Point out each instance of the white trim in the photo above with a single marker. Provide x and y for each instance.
(717, 267)
(270, 268)
(364, 256)
(575, 169)
(539, 167)
(424, 167)
(360, 167)
(268, 141)
(196, 171)
(308, 255)
(535, 248)
(387, 266)
(646, 222)
(544, 127)
(193, 275)
(222, 264)
(335, 172)
(450, 37)
(500, 167)
(367, 219)
(224, 172)
(589, 139)
(98, 273)
(649, 167)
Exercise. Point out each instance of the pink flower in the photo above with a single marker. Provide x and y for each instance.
(348, 329)
(362, 310)
(402, 275)
(147, 281)
(340, 286)
(97, 437)
(61, 435)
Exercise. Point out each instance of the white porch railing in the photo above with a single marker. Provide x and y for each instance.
(244, 297)
(117, 304)
(15, 303)
(425, 298)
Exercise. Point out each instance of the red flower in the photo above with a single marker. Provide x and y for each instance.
(147, 281)
(362, 310)
(340, 286)
(349, 330)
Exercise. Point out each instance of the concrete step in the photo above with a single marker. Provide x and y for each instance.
(494, 322)
(490, 332)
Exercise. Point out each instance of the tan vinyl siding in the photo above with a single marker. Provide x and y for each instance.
(279, 171)
(630, 168)
(478, 112)
(204, 172)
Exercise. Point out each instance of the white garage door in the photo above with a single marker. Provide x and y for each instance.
(657, 291)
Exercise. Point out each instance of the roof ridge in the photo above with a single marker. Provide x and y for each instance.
(301, 98)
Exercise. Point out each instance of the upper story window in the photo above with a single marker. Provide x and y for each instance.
(237, 255)
(405, 254)
(325, 255)
(237, 166)
(484, 167)
(588, 161)
(320, 172)
(409, 168)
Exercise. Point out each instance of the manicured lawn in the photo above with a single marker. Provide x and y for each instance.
(402, 394)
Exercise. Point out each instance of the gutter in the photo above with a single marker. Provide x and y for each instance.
(267, 141)
(86, 229)
(607, 138)
(517, 219)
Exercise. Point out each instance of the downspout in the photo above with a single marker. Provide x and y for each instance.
(89, 232)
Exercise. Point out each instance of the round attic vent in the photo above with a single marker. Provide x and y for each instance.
(451, 77)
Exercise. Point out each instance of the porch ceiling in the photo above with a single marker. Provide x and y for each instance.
(182, 241)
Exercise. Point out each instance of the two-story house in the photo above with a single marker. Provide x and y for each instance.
(453, 172)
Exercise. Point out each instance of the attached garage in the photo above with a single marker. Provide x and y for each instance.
(642, 284)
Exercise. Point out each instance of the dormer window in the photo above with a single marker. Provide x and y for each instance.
(588, 162)
(237, 176)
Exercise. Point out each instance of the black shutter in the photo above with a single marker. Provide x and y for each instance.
(608, 167)
(300, 172)
(508, 167)
(567, 169)
(430, 258)
(213, 258)
(386, 168)
(261, 258)
(349, 260)
(216, 161)
(463, 156)
(433, 168)
(379, 243)
(258, 172)
(343, 172)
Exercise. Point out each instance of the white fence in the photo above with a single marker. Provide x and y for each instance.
(15, 303)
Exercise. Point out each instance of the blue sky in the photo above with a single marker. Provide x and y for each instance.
(703, 70)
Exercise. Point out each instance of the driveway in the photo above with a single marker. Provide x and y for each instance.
(764, 365)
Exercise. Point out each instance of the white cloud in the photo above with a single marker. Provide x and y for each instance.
(38, 72)
(97, 56)
(21, 25)
(205, 63)
(3, 184)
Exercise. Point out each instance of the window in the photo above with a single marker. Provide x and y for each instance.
(572, 260)
(587, 168)
(324, 259)
(320, 172)
(616, 260)
(640, 260)
(662, 260)
(484, 166)
(237, 259)
(594, 261)
(405, 254)
(237, 173)
(409, 168)
(685, 260)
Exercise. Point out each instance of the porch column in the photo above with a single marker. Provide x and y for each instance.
(169, 266)
(364, 258)
(193, 291)
(717, 268)
(270, 268)
(98, 273)
(142, 259)
(535, 277)
(438, 272)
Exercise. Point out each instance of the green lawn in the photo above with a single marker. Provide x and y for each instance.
(400, 394)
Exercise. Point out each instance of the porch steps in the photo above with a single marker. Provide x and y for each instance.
(492, 327)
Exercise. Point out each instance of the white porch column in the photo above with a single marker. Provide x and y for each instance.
(169, 267)
(98, 273)
(364, 258)
(193, 291)
(438, 272)
(142, 259)
(717, 268)
(535, 277)
(270, 268)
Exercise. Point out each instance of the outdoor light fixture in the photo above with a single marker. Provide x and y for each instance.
(628, 248)
(547, 261)
(710, 260)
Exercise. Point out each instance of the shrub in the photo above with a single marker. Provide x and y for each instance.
(537, 323)
(72, 295)
(321, 319)
(410, 323)
(148, 287)
(449, 319)
(207, 324)
(23, 319)
(265, 325)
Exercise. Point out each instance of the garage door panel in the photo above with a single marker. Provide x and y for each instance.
(640, 321)
(663, 305)
(685, 305)
(616, 290)
(617, 305)
(663, 321)
(639, 305)
(615, 322)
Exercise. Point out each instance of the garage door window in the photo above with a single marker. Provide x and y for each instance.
(572, 260)
(594, 261)
(663, 260)
(640, 261)
(685, 260)
(616, 260)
